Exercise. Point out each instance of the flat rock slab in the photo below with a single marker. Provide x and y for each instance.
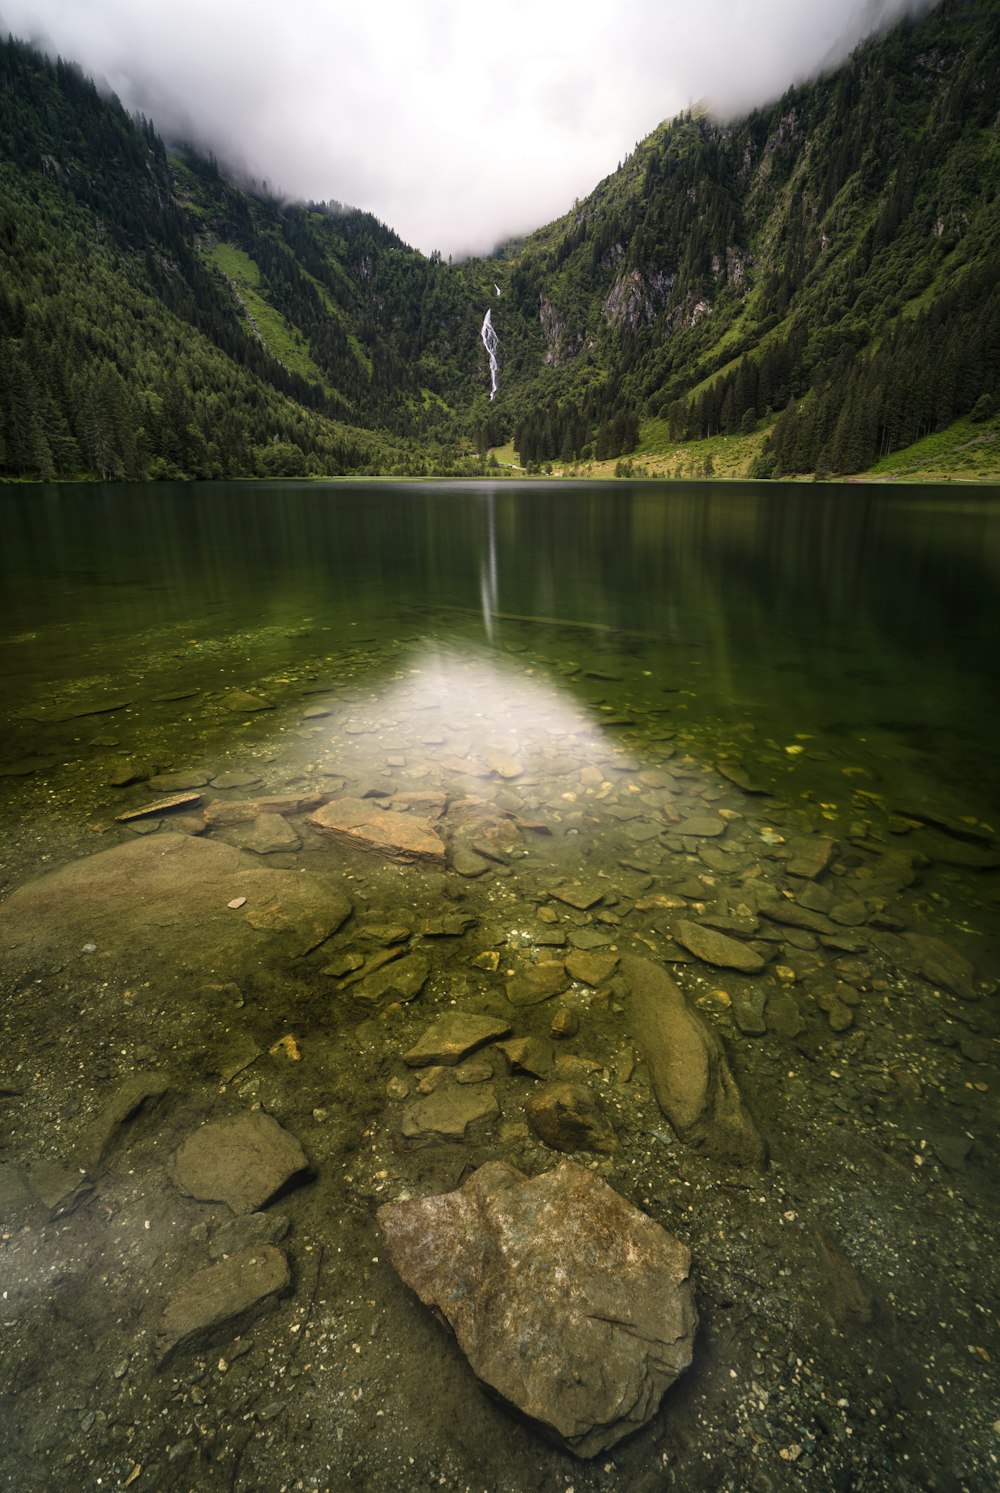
(243, 703)
(566, 1300)
(241, 1161)
(748, 1011)
(592, 969)
(713, 947)
(580, 895)
(268, 834)
(401, 980)
(706, 826)
(537, 982)
(449, 1040)
(810, 856)
(224, 780)
(222, 1298)
(23, 767)
(249, 1231)
(528, 1055)
(791, 914)
(783, 1015)
(688, 1070)
(447, 1113)
(176, 782)
(161, 806)
(73, 710)
(450, 925)
(163, 902)
(940, 963)
(222, 811)
(361, 823)
(736, 773)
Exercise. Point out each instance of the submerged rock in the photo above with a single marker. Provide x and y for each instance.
(590, 968)
(580, 895)
(161, 806)
(531, 1055)
(401, 979)
(447, 1113)
(139, 1092)
(783, 1015)
(537, 982)
(241, 701)
(268, 834)
(713, 947)
(241, 1161)
(400, 836)
(690, 1075)
(940, 963)
(224, 1297)
(810, 856)
(249, 1231)
(451, 1038)
(169, 899)
(222, 812)
(568, 1117)
(177, 782)
(566, 1300)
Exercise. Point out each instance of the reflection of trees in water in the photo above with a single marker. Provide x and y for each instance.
(812, 591)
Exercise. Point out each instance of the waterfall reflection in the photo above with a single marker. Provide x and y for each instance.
(489, 581)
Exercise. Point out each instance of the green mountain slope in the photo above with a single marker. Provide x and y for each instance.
(155, 319)
(834, 258)
(810, 289)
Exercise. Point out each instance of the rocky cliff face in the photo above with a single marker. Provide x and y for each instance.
(637, 298)
(561, 343)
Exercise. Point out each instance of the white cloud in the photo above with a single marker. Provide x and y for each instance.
(455, 123)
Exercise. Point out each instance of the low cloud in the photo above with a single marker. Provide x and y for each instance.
(454, 124)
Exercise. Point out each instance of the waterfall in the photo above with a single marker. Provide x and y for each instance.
(491, 342)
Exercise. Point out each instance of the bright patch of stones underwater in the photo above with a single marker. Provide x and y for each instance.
(409, 921)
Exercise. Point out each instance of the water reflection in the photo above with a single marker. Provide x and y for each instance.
(489, 577)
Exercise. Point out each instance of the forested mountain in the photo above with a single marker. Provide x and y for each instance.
(157, 320)
(834, 258)
(823, 275)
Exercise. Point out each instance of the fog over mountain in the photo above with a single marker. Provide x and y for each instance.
(456, 125)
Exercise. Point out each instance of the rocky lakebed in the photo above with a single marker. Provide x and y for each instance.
(481, 1085)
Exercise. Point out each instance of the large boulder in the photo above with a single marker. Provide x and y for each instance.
(688, 1070)
(166, 899)
(566, 1300)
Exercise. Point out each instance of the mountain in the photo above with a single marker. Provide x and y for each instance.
(834, 259)
(157, 320)
(809, 289)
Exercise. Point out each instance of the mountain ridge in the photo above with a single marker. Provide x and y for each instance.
(818, 278)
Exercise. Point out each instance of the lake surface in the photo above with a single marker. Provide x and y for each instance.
(769, 712)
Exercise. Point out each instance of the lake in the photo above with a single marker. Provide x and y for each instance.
(292, 771)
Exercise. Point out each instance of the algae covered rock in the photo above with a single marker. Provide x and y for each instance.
(688, 1069)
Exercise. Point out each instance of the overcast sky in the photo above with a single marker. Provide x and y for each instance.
(457, 123)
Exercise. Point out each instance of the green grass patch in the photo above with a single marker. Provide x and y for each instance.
(282, 340)
(506, 455)
(716, 456)
(963, 452)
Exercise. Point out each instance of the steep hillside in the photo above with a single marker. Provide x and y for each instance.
(155, 319)
(834, 258)
(818, 283)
